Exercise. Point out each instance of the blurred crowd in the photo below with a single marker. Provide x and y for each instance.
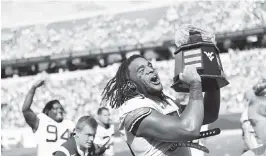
(80, 91)
(113, 30)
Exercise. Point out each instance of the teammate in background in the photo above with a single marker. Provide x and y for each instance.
(257, 118)
(49, 127)
(150, 120)
(248, 135)
(105, 131)
(81, 144)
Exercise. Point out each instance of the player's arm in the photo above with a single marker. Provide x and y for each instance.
(146, 122)
(30, 117)
(211, 106)
(248, 137)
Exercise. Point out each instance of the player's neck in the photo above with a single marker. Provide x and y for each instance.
(156, 96)
(106, 126)
(56, 121)
(83, 149)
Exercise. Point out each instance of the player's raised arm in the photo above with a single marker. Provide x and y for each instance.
(146, 122)
(30, 117)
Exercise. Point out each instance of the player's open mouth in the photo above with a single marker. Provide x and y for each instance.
(155, 80)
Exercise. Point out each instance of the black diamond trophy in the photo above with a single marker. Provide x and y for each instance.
(197, 48)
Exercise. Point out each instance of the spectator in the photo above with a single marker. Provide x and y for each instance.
(82, 142)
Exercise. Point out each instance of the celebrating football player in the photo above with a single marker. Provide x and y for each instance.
(151, 122)
(49, 127)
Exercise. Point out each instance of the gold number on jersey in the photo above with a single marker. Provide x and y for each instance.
(65, 135)
(51, 129)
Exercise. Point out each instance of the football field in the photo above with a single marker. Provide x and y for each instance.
(228, 143)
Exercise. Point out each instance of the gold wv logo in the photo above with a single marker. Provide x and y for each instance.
(209, 55)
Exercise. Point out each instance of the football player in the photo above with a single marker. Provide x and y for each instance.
(151, 122)
(257, 118)
(105, 131)
(49, 127)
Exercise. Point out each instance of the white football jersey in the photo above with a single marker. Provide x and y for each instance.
(101, 138)
(142, 146)
(50, 134)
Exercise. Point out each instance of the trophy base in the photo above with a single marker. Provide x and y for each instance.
(209, 83)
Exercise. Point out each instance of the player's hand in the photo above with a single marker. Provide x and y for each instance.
(38, 84)
(189, 75)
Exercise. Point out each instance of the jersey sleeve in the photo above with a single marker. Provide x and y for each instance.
(133, 118)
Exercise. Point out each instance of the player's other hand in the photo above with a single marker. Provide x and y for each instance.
(189, 75)
(38, 84)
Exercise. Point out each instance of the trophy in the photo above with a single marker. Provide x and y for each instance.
(196, 47)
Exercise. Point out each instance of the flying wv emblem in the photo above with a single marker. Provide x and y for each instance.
(209, 55)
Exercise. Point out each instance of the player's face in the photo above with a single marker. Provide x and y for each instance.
(146, 78)
(105, 116)
(56, 112)
(86, 136)
(258, 122)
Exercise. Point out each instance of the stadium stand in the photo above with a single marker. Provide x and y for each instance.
(80, 91)
(129, 28)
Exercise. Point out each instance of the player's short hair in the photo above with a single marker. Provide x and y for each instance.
(86, 120)
(100, 110)
(49, 106)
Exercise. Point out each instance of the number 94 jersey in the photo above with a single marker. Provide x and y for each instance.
(50, 134)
